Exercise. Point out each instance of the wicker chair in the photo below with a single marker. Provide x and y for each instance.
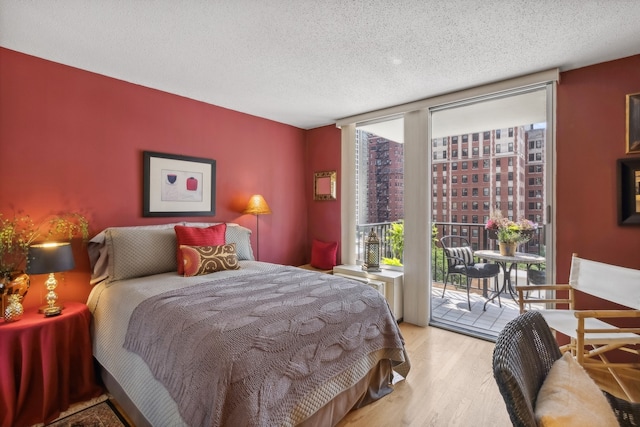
(524, 353)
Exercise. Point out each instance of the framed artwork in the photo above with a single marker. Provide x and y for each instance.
(629, 191)
(176, 185)
(324, 185)
(633, 123)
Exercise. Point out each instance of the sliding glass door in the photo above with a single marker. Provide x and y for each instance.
(490, 157)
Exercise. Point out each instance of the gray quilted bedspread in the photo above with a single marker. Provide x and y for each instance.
(249, 350)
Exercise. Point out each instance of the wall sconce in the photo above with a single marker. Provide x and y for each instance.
(371, 252)
(50, 258)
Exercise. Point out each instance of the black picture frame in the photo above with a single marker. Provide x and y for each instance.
(629, 191)
(175, 185)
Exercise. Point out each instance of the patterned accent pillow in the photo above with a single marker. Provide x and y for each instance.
(197, 236)
(199, 260)
(464, 252)
(137, 252)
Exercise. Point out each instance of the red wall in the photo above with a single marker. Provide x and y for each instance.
(71, 140)
(590, 138)
(323, 154)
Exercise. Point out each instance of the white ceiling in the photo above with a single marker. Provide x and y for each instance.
(308, 63)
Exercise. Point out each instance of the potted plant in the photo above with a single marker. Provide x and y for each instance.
(17, 233)
(509, 233)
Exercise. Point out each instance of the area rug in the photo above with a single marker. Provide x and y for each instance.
(98, 412)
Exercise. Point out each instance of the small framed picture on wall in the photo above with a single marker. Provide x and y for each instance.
(633, 123)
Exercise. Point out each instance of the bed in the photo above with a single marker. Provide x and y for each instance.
(253, 344)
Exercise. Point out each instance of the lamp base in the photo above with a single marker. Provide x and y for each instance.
(50, 311)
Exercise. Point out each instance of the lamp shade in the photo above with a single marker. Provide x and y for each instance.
(50, 258)
(257, 206)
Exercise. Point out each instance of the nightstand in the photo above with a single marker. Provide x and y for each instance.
(46, 364)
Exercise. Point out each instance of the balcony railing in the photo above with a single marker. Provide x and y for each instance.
(476, 234)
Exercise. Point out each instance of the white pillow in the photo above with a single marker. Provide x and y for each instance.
(569, 397)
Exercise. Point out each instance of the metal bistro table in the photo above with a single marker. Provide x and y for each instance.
(502, 261)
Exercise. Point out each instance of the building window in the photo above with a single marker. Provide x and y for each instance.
(485, 177)
(474, 206)
(475, 151)
(465, 138)
(497, 148)
(497, 133)
(474, 219)
(510, 191)
(510, 176)
(454, 205)
(464, 165)
(465, 206)
(454, 179)
(498, 177)
(464, 218)
(474, 177)
(454, 166)
(497, 163)
(454, 140)
(486, 135)
(485, 206)
(474, 192)
(464, 179)
(485, 149)
(464, 192)
(485, 191)
(485, 164)
(510, 147)
(454, 192)
(510, 132)
(498, 190)
(475, 137)
(454, 153)
(465, 153)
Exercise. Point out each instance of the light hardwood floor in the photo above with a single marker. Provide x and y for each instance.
(450, 384)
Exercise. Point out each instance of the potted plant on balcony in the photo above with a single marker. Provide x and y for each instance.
(511, 234)
(17, 233)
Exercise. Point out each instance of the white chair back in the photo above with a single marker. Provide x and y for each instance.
(610, 282)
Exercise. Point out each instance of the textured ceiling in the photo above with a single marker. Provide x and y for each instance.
(309, 62)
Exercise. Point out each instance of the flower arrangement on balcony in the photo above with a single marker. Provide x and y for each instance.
(509, 233)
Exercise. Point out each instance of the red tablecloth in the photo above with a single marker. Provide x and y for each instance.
(45, 365)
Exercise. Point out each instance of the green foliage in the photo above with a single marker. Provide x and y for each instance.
(20, 231)
(395, 237)
(392, 261)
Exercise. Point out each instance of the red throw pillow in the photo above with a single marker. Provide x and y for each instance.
(323, 254)
(197, 236)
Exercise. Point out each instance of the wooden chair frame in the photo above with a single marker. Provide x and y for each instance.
(591, 334)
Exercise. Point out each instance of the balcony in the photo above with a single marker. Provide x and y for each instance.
(450, 310)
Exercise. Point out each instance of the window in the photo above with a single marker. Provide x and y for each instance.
(464, 165)
(454, 205)
(464, 218)
(510, 206)
(510, 176)
(474, 206)
(474, 219)
(474, 177)
(474, 164)
(454, 153)
(454, 166)
(486, 135)
(464, 179)
(475, 151)
(510, 147)
(454, 179)
(510, 132)
(474, 192)
(464, 192)
(497, 148)
(485, 149)
(454, 218)
(475, 137)
(465, 152)
(497, 163)
(485, 206)
(465, 138)
(465, 206)
(454, 140)
(498, 177)
(454, 192)
(497, 136)
(485, 164)
(485, 177)
(485, 191)
(510, 191)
